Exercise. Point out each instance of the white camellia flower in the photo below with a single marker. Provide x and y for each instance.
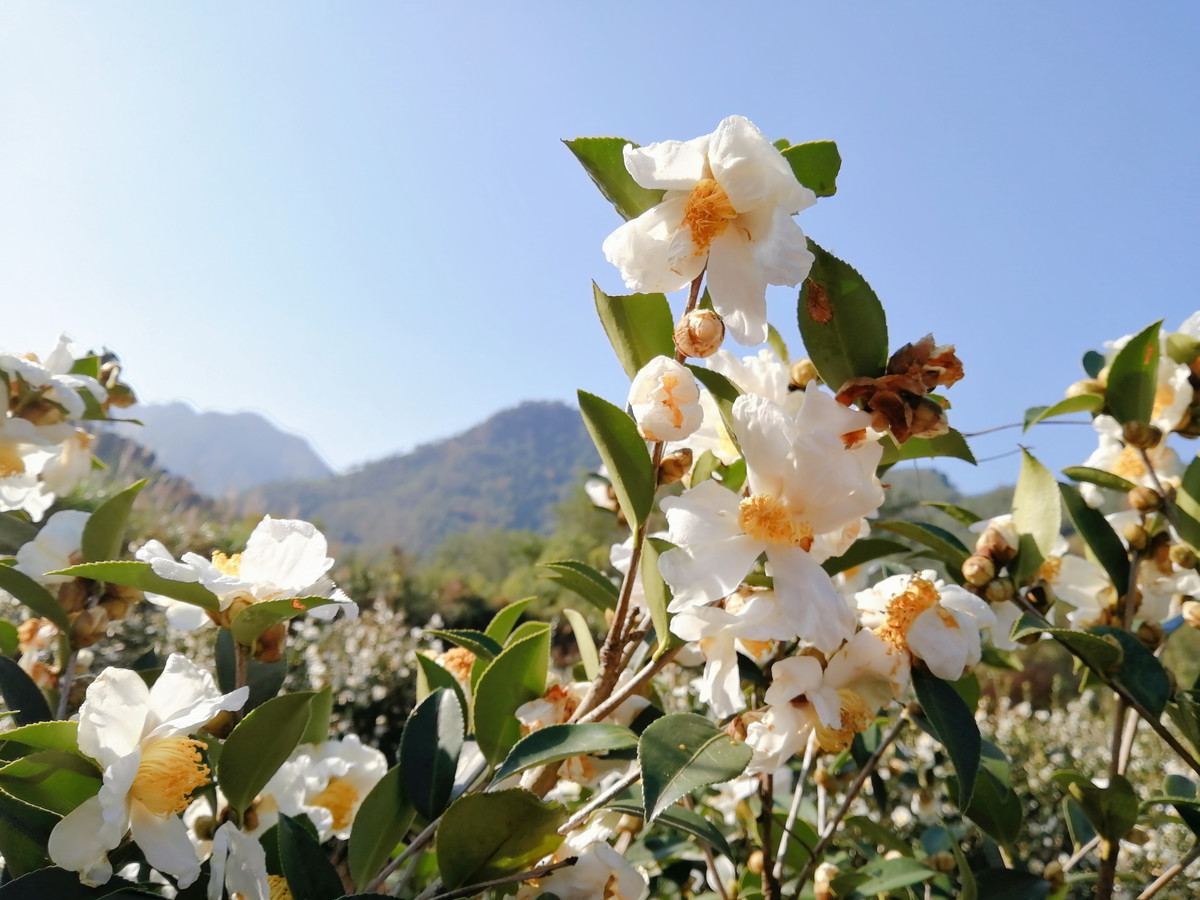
(1172, 391)
(935, 622)
(55, 377)
(804, 481)
(24, 452)
(283, 559)
(729, 205)
(665, 400)
(57, 546)
(599, 871)
(1114, 456)
(239, 864)
(138, 735)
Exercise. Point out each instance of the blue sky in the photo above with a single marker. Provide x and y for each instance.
(359, 218)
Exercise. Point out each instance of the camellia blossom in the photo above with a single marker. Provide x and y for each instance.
(730, 198)
(284, 559)
(1113, 455)
(665, 400)
(138, 735)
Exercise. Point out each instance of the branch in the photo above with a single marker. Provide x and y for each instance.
(473, 889)
(595, 803)
(1165, 878)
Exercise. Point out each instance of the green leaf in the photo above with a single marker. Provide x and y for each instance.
(1133, 377)
(1092, 363)
(682, 752)
(133, 573)
(104, 531)
(1099, 477)
(892, 874)
(248, 625)
(1183, 348)
(429, 750)
(842, 321)
(944, 546)
(624, 452)
(259, 745)
(658, 594)
(1089, 403)
(505, 620)
(1098, 535)
(816, 165)
(10, 641)
(583, 580)
(516, 676)
(39, 600)
(861, 552)
(583, 640)
(56, 780)
(309, 874)
(264, 679)
(1011, 884)
(431, 676)
(46, 736)
(678, 817)
(603, 159)
(487, 836)
(955, 726)
(1101, 652)
(1187, 504)
(15, 532)
(951, 444)
(968, 889)
(558, 742)
(1036, 509)
(1140, 673)
(484, 647)
(957, 513)
(319, 715)
(1111, 810)
(775, 342)
(639, 327)
(382, 822)
(724, 392)
(995, 806)
(1078, 826)
(21, 694)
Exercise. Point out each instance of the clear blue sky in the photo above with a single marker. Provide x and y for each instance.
(358, 218)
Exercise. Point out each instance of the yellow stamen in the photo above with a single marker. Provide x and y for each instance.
(856, 716)
(10, 461)
(171, 768)
(1051, 569)
(227, 565)
(278, 887)
(1128, 465)
(340, 798)
(903, 610)
(765, 518)
(669, 383)
(707, 213)
(1164, 396)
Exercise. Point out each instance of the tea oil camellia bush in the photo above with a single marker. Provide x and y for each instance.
(774, 692)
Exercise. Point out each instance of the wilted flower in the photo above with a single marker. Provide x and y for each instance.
(729, 205)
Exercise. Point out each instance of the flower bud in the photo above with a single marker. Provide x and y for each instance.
(1144, 499)
(824, 778)
(803, 372)
(755, 862)
(1141, 434)
(73, 595)
(942, 861)
(978, 570)
(665, 400)
(675, 466)
(1191, 612)
(1183, 556)
(823, 880)
(699, 333)
(269, 646)
(998, 590)
(89, 626)
(1086, 386)
(1054, 874)
(999, 541)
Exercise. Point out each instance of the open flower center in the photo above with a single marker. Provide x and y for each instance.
(666, 396)
(227, 565)
(1051, 569)
(766, 519)
(707, 213)
(903, 610)
(170, 770)
(1164, 396)
(1129, 465)
(856, 716)
(340, 798)
(10, 461)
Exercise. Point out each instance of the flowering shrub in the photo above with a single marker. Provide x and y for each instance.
(770, 649)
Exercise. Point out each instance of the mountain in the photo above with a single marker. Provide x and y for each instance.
(221, 453)
(509, 472)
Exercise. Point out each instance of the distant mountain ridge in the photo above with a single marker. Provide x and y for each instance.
(508, 472)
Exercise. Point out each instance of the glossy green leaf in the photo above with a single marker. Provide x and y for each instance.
(382, 822)
(1101, 652)
(320, 712)
(1112, 810)
(309, 874)
(1011, 884)
(951, 444)
(943, 545)
(968, 888)
(516, 676)
(429, 751)
(583, 580)
(682, 752)
(775, 342)
(24, 835)
(1099, 477)
(955, 726)
(39, 600)
(624, 452)
(104, 532)
(1133, 377)
(861, 552)
(639, 327)
(46, 736)
(841, 321)
(21, 694)
(431, 676)
(678, 817)
(248, 625)
(10, 640)
(958, 513)
(657, 592)
(816, 165)
(1036, 508)
(1181, 793)
(259, 745)
(1078, 826)
(133, 573)
(724, 392)
(264, 679)
(1089, 403)
(56, 780)
(892, 874)
(584, 641)
(506, 619)
(603, 159)
(486, 836)
(1092, 363)
(1029, 561)
(1098, 535)
(15, 532)
(1183, 348)
(1140, 672)
(1187, 504)
(558, 742)
(995, 806)
(484, 647)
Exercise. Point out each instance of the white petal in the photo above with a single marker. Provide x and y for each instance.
(184, 697)
(668, 165)
(817, 609)
(752, 171)
(287, 553)
(113, 716)
(945, 645)
(80, 843)
(239, 863)
(738, 287)
(641, 250)
(164, 840)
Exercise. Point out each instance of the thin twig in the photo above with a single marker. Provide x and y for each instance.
(794, 811)
(1165, 878)
(631, 687)
(598, 801)
(766, 817)
(65, 680)
(1079, 854)
(473, 889)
